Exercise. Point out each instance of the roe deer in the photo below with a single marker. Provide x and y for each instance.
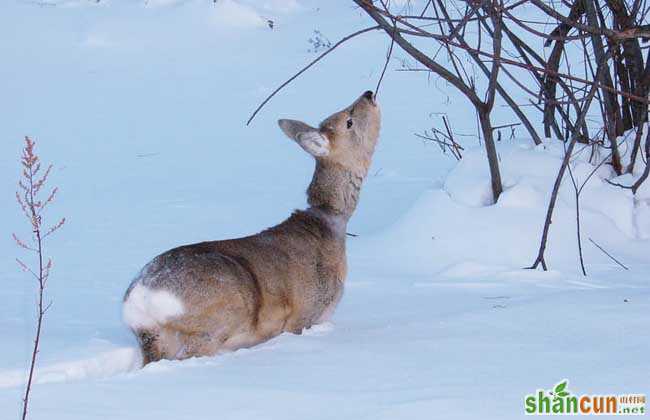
(210, 297)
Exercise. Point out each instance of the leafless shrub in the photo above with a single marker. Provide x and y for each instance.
(614, 78)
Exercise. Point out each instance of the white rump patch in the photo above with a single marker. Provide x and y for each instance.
(146, 308)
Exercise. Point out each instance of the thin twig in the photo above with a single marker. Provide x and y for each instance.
(608, 254)
(505, 126)
(388, 56)
(295, 76)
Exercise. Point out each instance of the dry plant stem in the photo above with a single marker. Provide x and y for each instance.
(579, 237)
(549, 92)
(646, 171)
(33, 206)
(532, 67)
(457, 147)
(417, 31)
(565, 162)
(304, 69)
(39, 324)
(644, 176)
(550, 82)
(577, 191)
(443, 144)
(448, 141)
(549, 38)
(638, 32)
(609, 102)
(483, 108)
(502, 92)
(389, 54)
(635, 148)
(414, 52)
(608, 254)
(486, 109)
(633, 59)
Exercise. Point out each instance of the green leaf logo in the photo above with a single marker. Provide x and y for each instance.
(560, 390)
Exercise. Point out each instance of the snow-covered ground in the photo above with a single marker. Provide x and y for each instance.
(142, 108)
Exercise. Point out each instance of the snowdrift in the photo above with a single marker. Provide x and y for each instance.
(455, 230)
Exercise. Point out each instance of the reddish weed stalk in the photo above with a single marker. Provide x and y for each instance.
(29, 197)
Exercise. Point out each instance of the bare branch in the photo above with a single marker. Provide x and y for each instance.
(608, 254)
(295, 76)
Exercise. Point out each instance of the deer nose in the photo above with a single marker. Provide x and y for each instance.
(368, 95)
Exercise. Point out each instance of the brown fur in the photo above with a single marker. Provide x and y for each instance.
(240, 292)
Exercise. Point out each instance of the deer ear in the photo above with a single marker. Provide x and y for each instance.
(309, 138)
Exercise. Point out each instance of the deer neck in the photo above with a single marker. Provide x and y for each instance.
(334, 190)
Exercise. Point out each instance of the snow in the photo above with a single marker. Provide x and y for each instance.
(229, 13)
(438, 224)
(141, 106)
(105, 365)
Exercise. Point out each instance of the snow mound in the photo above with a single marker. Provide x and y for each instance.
(468, 183)
(456, 233)
(107, 364)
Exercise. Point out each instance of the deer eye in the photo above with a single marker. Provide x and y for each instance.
(349, 123)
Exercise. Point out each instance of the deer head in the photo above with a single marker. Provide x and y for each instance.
(347, 137)
(342, 145)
